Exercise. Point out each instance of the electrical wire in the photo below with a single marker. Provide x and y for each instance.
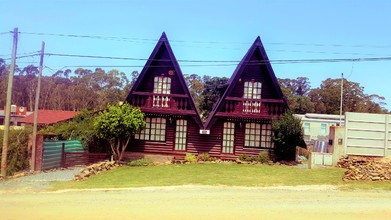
(134, 39)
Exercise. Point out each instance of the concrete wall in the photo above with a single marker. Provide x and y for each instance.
(368, 134)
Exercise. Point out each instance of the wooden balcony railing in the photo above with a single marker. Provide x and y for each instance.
(160, 101)
(253, 107)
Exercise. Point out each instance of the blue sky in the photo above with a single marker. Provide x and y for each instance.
(210, 30)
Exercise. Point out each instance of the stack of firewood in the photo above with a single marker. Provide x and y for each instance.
(365, 168)
(94, 169)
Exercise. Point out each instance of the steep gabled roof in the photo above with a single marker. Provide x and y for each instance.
(163, 42)
(257, 46)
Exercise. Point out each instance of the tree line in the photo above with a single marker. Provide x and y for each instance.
(95, 89)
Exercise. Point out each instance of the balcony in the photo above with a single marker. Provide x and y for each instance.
(162, 103)
(240, 107)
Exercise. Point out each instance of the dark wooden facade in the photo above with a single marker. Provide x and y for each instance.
(240, 122)
(160, 91)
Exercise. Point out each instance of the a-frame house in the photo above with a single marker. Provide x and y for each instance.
(172, 120)
(240, 123)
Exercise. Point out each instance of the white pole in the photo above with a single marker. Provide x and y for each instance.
(340, 108)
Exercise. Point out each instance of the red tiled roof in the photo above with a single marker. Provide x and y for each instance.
(49, 117)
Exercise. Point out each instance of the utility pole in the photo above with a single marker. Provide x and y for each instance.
(340, 107)
(8, 106)
(34, 146)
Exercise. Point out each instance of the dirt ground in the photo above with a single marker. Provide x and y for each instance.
(199, 202)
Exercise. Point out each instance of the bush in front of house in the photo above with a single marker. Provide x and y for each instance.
(140, 162)
(288, 134)
(17, 158)
(190, 158)
(205, 157)
(263, 157)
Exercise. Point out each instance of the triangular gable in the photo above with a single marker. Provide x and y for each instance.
(256, 55)
(156, 61)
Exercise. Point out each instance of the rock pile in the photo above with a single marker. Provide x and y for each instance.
(94, 169)
(365, 168)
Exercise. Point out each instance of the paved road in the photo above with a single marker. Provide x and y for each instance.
(199, 202)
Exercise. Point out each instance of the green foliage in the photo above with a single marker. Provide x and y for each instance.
(191, 158)
(327, 98)
(66, 90)
(117, 124)
(245, 157)
(205, 157)
(288, 134)
(17, 158)
(140, 162)
(263, 157)
(79, 128)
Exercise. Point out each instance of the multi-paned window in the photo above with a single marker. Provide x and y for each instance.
(180, 134)
(155, 130)
(228, 137)
(252, 90)
(162, 85)
(258, 135)
(266, 136)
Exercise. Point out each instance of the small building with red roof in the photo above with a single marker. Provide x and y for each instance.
(48, 117)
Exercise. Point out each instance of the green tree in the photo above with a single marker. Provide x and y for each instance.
(296, 92)
(117, 125)
(17, 157)
(288, 134)
(196, 88)
(214, 87)
(327, 98)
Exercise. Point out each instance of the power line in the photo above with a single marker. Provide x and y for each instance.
(135, 39)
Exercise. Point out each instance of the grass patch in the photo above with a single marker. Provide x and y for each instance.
(219, 174)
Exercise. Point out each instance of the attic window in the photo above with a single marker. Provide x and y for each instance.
(162, 85)
(252, 90)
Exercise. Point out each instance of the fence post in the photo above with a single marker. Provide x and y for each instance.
(63, 155)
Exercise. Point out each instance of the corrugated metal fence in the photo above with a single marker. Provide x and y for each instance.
(52, 152)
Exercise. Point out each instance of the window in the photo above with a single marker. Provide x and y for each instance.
(228, 137)
(258, 135)
(307, 128)
(252, 135)
(162, 85)
(266, 136)
(155, 130)
(252, 90)
(323, 128)
(180, 134)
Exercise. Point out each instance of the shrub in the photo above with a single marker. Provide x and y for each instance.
(17, 158)
(191, 158)
(245, 157)
(203, 157)
(287, 135)
(263, 157)
(140, 162)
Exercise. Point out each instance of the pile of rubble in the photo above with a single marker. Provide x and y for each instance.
(94, 169)
(365, 168)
